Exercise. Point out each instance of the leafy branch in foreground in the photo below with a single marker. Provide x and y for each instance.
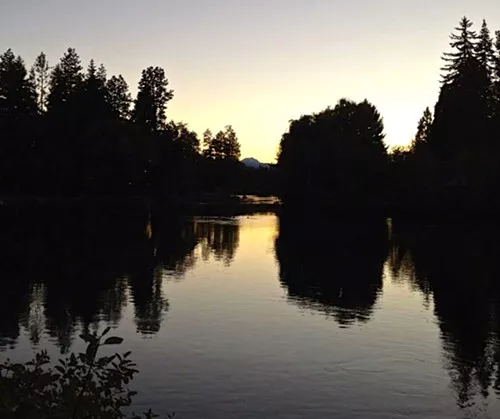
(79, 386)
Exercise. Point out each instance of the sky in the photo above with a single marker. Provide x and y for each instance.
(257, 64)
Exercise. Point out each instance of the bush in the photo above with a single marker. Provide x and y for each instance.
(79, 386)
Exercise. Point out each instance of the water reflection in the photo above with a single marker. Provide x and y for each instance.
(70, 270)
(333, 266)
(456, 265)
(65, 270)
(220, 239)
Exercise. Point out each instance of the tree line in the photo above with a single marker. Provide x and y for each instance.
(338, 156)
(66, 131)
(69, 132)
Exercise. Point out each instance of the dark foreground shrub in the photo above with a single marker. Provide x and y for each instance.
(77, 387)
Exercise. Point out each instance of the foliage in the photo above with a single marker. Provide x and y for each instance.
(224, 146)
(423, 130)
(80, 386)
(41, 70)
(17, 92)
(66, 83)
(152, 99)
(335, 156)
(69, 132)
(118, 96)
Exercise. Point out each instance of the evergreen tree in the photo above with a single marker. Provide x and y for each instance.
(458, 61)
(423, 129)
(496, 72)
(486, 57)
(496, 85)
(463, 112)
(224, 146)
(186, 141)
(118, 96)
(207, 144)
(230, 144)
(41, 71)
(496, 75)
(93, 101)
(65, 82)
(152, 99)
(101, 74)
(484, 50)
(17, 95)
(217, 146)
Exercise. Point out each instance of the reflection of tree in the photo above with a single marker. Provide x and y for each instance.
(456, 265)
(146, 292)
(14, 299)
(64, 269)
(174, 240)
(220, 238)
(333, 266)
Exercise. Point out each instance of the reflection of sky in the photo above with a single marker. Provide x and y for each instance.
(256, 64)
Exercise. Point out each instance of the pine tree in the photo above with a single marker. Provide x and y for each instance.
(217, 146)
(186, 141)
(465, 44)
(41, 71)
(152, 99)
(17, 95)
(224, 146)
(101, 74)
(496, 72)
(462, 116)
(424, 127)
(207, 144)
(230, 144)
(486, 57)
(65, 82)
(93, 99)
(118, 96)
(496, 84)
(484, 50)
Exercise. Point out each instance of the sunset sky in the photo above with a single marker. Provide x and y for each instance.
(256, 64)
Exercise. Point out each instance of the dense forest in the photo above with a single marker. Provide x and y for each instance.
(338, 156)
(70, 132)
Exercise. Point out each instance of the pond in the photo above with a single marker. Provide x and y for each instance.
(266, 316)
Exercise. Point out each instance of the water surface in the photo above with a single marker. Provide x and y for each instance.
(264, 316)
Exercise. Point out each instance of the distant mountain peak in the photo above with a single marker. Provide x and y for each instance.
(251, 162)
(254, 163)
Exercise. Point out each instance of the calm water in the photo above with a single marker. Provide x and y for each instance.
(257, 316)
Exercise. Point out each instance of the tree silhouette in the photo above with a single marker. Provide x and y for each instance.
(186, 140)
(41, 71)
(335, 157)
(66, 83)
(463, 111)
(457, 62)
(208, 149)
(224, 146)
(484, 50)
(424, 128)
(93, 101)
(118, 96)
(17, 92)
(496, 81)
(152, 99)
